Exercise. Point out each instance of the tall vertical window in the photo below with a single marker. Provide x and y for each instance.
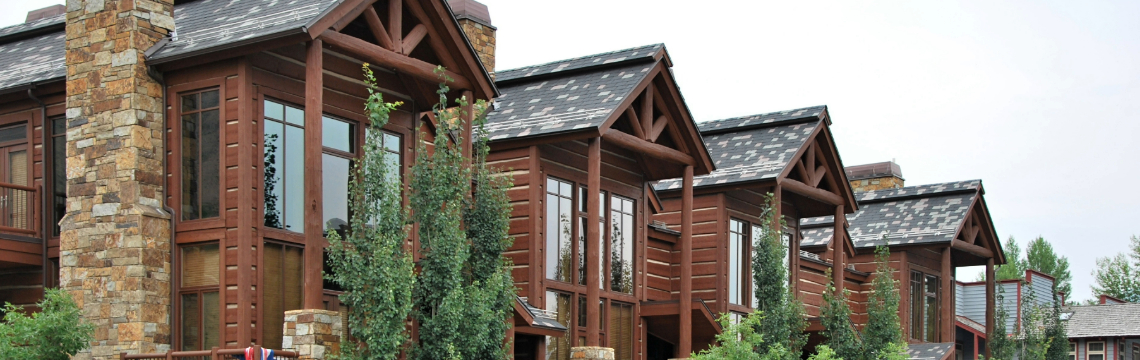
(283, 288)
(1094, 350)
(621, 330)
(559, 199)
(200, 316)
(583, 245)
(737, 258)
(924, 307)
(339, 142)
(621, 244)
(284, 165)
(58, 171)
(201, 145)
(1072, 351)
(558, 348)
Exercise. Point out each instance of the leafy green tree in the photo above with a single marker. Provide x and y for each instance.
(835, 316)
(369, 260)
(55, 333)
(1040, 256)
(883, 336)
(1000, 344)
(1119, 276)
(739, 341)
(464, 291)
(1014, 267)
(1055, 332)
(784, 312)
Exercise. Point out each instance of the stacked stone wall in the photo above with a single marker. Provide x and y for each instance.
(881, 183)
(115, 241)
(482, 38)
(313, 334)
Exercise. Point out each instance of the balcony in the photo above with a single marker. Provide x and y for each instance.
(21, 225)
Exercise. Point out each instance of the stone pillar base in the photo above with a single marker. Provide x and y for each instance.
(591, 353)
(313, 334)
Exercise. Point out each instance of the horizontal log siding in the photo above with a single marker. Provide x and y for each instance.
(709, 226)
(518, 164)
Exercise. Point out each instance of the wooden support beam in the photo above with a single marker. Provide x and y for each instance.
(812, 192)
(947, 302)
(247, 239)
(378, 30)
(643, 147)
(435, 39)
(800, 169)
(594, 239)
(658, 128)
(685, 343)
(647, 110)
(339, 17)
(414, 38)
(838, 251)
(634, 122)
(314, 110)
(829, 176)
(990, 301)
(973, 249)
(390, 59)
(396, 22)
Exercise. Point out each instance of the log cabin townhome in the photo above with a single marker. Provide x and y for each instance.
(584, 139)
(789, 154)
(930, 230)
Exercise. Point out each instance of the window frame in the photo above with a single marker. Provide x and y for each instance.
(219, 108)
(279, 233)
(1103, 352)
(176, 305)
(261, 292)
(919, 319)
(174, 128)
(742, 283)
(50, 172)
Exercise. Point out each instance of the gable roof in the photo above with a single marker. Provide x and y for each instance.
(910, 215)
(567, 95)
(219, 24)
(757, 147)
(1103, 321)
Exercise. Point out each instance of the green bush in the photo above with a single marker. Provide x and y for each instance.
(55, 333)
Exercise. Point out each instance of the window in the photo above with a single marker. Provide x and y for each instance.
(201, 145)
(58, 171)
(558, 348)
(284, 166)
(924, 307)
(16, 204)
(737, 258)
(339, 142)
(620, 331)
(583, 246)
(283, 285)
(1072, 351)
(200, 316)
(621, 245)
(1135, 352)
(1094, 350)
(559, 197)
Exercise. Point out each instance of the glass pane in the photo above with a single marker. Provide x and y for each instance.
(274, 110)
(552, 246)
(582, 310)
(1096, 346)
(391, 142)
(189, 102)
(583, 249)
(565, 262)
(337, 134)
(274, 310)
(620, 331)
(59, 126)
(59, 180)
(211, 318)
(14, 133)
(211, 166)
(558, 347)
(582, 207)
(392, 166)
(621, 246)
(1096, 356)
(916, 305)
(294, 272)
(210, 99)
(191, 323)
(200, 265)
(273, 158)
(190, 166)
(733, 262)
(335, 193)
(295, 116)
(295, 179)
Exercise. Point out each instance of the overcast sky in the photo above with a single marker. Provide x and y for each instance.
(1036, 98)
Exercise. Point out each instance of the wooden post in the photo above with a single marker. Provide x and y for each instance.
(594, 238)
(685, 346)
(947, 301)
(314, 216)
(990, 305)
(247, 218)
(838, 251)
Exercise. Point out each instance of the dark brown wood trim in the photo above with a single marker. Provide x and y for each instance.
(685, 345)
(641, 146)
(593, 236)
(387, 58)
(314, 218)
(825, 196)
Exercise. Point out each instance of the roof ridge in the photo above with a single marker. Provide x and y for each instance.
(29, 29)
(760, 114)
(578, 58)
(41, 21)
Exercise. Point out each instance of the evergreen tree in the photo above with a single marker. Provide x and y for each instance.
(783, 313)
(369, 260)
(1040, 256)
(883, 336)
(1119, 276)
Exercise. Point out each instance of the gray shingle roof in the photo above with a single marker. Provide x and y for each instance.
(542, 318)
(910, 215)
(929, 351)
(207, 24)
(644, 53)
(761, 119)
(1104, 320)
(34, 25)
(33, 60)
(750, 154)
(816, 236)
(574, 101)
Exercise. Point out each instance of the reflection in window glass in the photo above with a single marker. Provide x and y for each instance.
(58, 171)
(284, 166)
(335, 178)
(339, 135)
(201, 145)
(621, 244)
(558, 348)
(559, 198)
(620, 332)
(736, 260)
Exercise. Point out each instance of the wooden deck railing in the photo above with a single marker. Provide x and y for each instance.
(19, 210)
(214, 354)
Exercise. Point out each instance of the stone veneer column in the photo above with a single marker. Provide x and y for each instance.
(313, 334)
(115, 245)
(591, 353)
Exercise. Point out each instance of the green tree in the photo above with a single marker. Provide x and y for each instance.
(1000, 344)
(1014, 267)
(1055, 332)
(784, 312)
(55, 333)
(463, 290)
(1119, 276)
(1040, 256)
(835, 316)
(739, 341)
(369, 260)
(883, 336)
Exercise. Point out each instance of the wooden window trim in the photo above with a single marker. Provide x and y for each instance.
(260, 295)
(174, 152)
(176, 283)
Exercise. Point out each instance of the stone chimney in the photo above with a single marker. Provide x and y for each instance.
(877, 176)
(476, 23)
(115, 243)
(45, 13)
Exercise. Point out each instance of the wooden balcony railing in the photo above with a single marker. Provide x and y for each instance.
(19, 210)
(214, 354)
